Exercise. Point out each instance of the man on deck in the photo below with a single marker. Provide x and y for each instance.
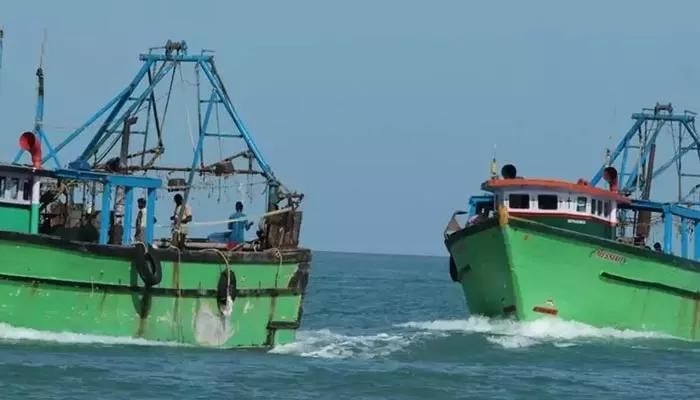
(180, 226)
(140, 235)
(236, 235)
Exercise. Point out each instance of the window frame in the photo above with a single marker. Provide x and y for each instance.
(552, 198)
(522, 196)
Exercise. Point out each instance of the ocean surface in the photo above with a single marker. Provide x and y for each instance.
(374, 327)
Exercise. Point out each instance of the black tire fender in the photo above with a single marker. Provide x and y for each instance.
(148, 266)
(222, 290)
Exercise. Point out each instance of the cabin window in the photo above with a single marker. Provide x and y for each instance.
(547, 201)
(606, 209)
(593, 206)
(519, 201)
(600, 207)
(2, 186)
(14, 188)
(26, 189)
(581, 203)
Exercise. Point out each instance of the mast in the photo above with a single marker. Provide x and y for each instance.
(122, 141)
(657, 132)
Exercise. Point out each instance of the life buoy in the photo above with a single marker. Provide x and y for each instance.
(453, 270)
(226, 288)
(148, 266)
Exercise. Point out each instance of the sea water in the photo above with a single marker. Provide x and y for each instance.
(374, 327)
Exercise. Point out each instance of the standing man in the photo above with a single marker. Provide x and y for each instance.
(140, 235)
(236, 234)
(180, 226)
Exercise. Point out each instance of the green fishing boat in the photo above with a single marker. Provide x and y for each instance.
(544, 248)
(79, 257)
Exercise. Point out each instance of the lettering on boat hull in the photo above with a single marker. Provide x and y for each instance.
(606, 255)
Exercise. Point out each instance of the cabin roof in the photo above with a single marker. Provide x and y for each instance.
(24, 169)
(116, 179)
(520, 183)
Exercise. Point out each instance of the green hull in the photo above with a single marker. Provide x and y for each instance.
(55, 285)
(530, 270)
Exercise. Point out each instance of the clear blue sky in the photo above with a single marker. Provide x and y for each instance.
(384, 113)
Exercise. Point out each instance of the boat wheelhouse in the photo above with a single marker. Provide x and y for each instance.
(574, 206)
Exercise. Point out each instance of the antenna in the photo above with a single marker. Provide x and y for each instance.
(494, 165)
(2, 35)
(43, 49)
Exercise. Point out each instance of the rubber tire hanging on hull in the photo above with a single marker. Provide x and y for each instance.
(453, 270)
(221, 288)
(148, 265)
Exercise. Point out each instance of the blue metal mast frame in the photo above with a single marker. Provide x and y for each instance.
(134, 98)
(175, 54)
(636, 176)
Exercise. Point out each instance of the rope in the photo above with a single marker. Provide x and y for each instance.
(187, 112)
(225, 221)
(278, 253)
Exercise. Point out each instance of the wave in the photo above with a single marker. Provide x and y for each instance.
(12, 334)
(506, 334)
(518, 334)
(327, 344)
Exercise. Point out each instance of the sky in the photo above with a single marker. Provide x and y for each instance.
(384, 113)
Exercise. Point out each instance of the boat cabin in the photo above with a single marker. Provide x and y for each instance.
(19, 211)
(573, 206)
(34, 201)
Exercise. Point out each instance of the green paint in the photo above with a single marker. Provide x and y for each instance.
(34, 219)
(526, 264)
(589, 227)
(195, 321)
(15, 218)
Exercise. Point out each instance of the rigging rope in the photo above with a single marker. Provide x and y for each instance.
(187, 112)
(226, 221)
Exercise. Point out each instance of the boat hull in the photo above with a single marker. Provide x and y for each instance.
(55, 285)
(527, 270)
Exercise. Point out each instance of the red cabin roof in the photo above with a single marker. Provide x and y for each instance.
(520, 183)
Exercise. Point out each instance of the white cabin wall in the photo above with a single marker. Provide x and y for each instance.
(564, 205)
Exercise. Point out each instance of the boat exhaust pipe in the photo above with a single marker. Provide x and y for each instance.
(610, 176)
(509, 171)
(29, 143)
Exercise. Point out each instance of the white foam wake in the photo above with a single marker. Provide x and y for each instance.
(507, 334)
(326, 344)
(515, 334)
(10, 333)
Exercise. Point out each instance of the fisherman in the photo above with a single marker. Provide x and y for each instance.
(140, 235)
(180, 226)
(236, 234)
(657, 246)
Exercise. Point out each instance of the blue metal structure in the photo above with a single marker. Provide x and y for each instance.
(637, 153)
(138, 97)
(636, 174)
(128, 183)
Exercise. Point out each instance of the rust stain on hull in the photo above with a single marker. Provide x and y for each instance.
(102, 302)
(177, 306)
(696, 311)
